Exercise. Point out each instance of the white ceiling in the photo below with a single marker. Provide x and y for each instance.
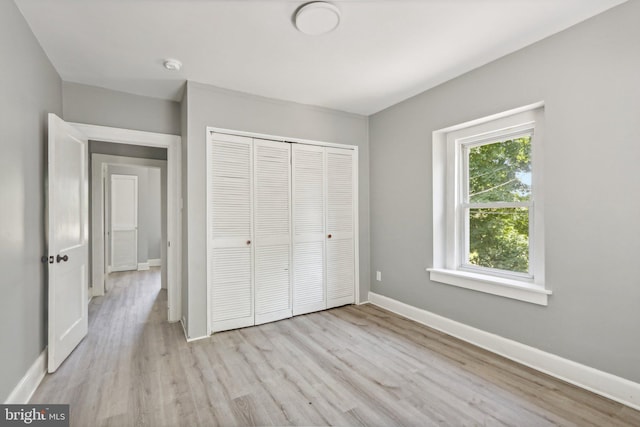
(383, 51)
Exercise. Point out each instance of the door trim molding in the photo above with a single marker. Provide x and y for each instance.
(211, 130)
(173, 145)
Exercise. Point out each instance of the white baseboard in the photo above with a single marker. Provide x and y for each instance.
(156, 262)
(599, 382)
(142, 266)
(197, 338)
(22, 393)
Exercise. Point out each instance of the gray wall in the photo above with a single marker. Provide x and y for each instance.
(104, 107)
(210, 106)
(588, 78)
(149, 208)
(30, 89)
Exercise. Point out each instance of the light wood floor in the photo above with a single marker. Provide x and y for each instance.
(355, 365)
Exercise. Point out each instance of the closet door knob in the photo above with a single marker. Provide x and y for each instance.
(329, 236)
(248, 242)
(62, 258)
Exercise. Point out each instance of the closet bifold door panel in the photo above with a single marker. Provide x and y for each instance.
(230, 252)
(340, 225)
(272, 225)
(282, 228)
(308, 240)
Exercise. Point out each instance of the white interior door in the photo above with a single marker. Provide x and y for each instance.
(124, 222)
(67, 232)
(272, 187)
(309, 187)
(340, 227)
(230, 252)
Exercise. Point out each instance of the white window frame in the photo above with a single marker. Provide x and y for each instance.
(450, 247)
(462, 146)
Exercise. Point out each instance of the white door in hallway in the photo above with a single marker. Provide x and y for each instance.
(68, 233)
(124, 222)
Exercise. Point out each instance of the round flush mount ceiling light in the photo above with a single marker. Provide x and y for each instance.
(317, 18)
(172, 64)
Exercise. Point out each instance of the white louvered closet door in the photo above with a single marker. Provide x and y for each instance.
(340, 253)
(308, 164)
(231, 232)
(272, 257)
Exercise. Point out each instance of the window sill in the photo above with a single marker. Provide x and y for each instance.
(508, 288)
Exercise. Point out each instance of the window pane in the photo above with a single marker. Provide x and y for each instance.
(499, 238)
(500, 171)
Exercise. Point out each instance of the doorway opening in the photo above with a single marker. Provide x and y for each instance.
(134, 219)
(128, 213)
(71, 278)
(146, 149)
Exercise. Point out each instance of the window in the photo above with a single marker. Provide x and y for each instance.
(495, 203)
(488, 216)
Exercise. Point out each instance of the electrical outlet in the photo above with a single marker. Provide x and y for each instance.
(379, 276)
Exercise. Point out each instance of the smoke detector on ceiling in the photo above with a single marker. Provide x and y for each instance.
(317, 18)
(172, 64)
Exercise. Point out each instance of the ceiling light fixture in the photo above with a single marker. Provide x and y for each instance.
(317, 18)
(172, 64)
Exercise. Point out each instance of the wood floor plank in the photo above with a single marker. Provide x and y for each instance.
(509, 375)
(349, 366)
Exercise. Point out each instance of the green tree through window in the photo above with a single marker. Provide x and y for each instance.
(498, 198)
